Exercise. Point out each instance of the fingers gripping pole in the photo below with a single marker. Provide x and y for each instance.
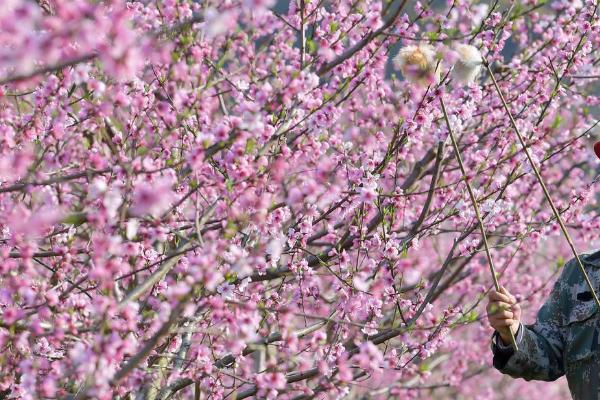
(476, 208)
(544, 189)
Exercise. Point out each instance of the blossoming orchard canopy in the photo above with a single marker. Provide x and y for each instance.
(287, 199)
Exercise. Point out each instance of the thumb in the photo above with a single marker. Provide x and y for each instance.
(505, 291)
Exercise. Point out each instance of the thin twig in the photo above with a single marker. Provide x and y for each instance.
(361, 44)
(93, 55)
(157, 275)
(543, 186)
(476, 208)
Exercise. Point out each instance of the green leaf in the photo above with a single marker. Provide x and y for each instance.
(231, 277)
(223, 58)
(142, 150)
(75, 219)
(171, 161)
(250, 144)
(560, 262)
(404, 251)
(469, 317)
(517, 9)
(451, 32)
(424, 366)
(86, 143)
(311, 45)
(229, 185)
(433, 35)
(230, 230)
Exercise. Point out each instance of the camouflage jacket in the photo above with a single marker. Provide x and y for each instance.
(564, 339)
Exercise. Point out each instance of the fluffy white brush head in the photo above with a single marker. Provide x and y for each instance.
(419, 64)
(468, 63)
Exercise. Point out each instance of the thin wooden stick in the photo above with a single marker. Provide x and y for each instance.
(544, 189)
(476, 208)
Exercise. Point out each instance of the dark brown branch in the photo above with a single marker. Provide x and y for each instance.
(359, 46)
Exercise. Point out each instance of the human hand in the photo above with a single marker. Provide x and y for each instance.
(504, 313)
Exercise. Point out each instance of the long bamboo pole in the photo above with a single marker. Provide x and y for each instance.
(476, 208)
(541, 182)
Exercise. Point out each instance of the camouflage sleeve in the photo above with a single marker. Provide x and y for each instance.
(541, 345)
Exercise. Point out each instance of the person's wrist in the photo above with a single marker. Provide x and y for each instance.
(505, 334)
(504, 338)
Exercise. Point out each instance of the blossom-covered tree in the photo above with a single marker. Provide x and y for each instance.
(227, 199)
